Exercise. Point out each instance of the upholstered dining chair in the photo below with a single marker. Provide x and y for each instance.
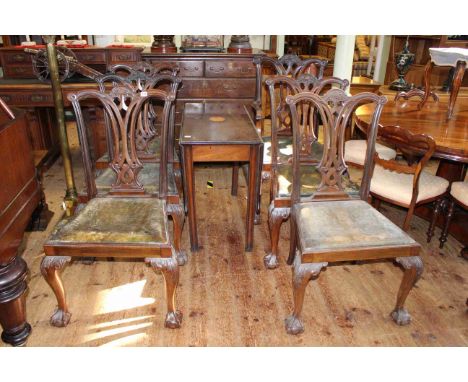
(278, 150)
(127, 220)
(407, 185)
(331, 225)
(149, 174)
(458, 196)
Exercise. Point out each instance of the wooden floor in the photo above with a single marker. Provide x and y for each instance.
(229, 299)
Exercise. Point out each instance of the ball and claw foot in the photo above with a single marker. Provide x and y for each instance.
(401, 316)
(173, 320)
(181, 258)
(293, 325)
(270, 261)
(60, 318)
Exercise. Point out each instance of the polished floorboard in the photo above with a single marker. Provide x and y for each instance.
(227, 296)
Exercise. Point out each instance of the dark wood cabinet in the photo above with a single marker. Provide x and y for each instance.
(20, 196)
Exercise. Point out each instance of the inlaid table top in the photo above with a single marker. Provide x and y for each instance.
(451, 136)
(227, 123)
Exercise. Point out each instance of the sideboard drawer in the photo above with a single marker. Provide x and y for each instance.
(19, 71)
(191, 88)
(93, 57)
(186, 68)
(230, 69)
(124, 55)
(38, 98)
(18, 57)
(230, 88)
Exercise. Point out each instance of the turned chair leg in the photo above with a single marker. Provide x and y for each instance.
(448, 219)
(50, 267)
(413, 269)
(302, 273)
(176, 211)
(276, 217)
(435, 215)
(235, 179)
(170, 271)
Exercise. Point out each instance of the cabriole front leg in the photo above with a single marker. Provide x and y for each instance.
(413, 270)
(276, 217)
(170, 271)
(50, 267)
(302, 273)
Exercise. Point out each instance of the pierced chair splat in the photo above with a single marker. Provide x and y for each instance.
(331, 226)
(127, 221)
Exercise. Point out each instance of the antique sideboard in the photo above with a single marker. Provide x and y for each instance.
(205, 77)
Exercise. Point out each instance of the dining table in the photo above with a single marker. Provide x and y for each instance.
(450, 136)
(220, 132)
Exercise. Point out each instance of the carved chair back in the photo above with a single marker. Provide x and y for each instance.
(142, 71)
(418, 147)
(123, 107)
(288, 65)
(279, 87)
(148, 123)
(335, 109)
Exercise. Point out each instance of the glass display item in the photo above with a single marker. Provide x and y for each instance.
(204, 43)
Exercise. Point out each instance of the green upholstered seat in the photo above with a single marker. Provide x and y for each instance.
(310, 179)
(114, 220)
(148, 176)
(345, 225)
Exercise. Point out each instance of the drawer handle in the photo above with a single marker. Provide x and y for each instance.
(191, 68)
(88, 57)
(19, 57)
(38, 98)
(19, 70)
(123, 57)
(219, 69)
(6, 98)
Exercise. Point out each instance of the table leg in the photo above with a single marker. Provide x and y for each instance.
(252, 196)
(457, 80)
(189, 181)
(259, 185)
(427, 83)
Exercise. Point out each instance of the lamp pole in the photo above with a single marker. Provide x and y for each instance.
(71, 196)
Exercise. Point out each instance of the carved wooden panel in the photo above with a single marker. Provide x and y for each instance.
(229, 69)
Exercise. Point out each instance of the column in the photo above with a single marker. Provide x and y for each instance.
(280, 45)
(343, 64)
(383, 50)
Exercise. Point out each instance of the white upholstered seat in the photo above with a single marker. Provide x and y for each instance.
(399, 187)
(460, 192)
(355, 151)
